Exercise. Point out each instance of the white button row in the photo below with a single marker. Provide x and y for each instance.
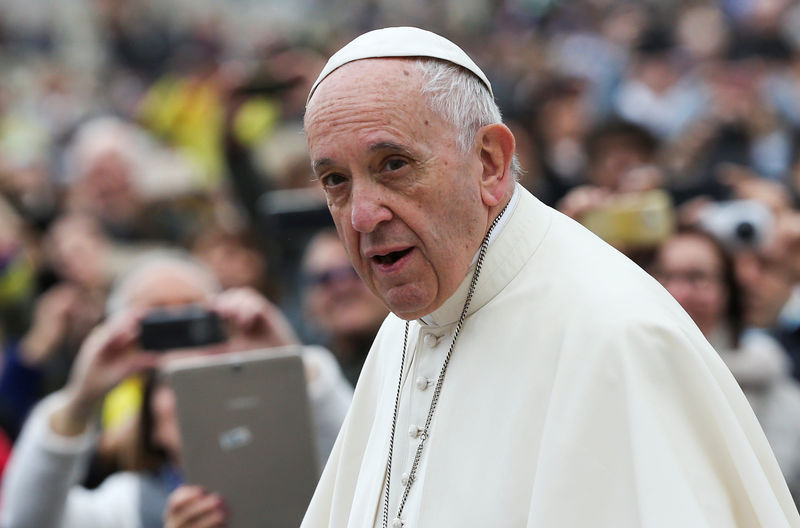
(414, 431)
(431, 340)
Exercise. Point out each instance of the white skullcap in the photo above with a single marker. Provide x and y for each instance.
(399, 42)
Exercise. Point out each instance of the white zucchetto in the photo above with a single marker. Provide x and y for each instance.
(399, 42)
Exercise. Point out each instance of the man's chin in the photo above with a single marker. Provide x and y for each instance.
(409, 302)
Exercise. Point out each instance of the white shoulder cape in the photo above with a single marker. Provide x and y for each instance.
(579, 395)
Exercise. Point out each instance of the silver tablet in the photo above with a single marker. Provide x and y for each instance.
(246, 433)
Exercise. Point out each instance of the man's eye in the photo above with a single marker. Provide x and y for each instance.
(332, 180)
(394, 164)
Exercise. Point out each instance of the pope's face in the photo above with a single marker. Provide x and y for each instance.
(405, 199)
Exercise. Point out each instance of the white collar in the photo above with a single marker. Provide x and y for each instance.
(512, 205)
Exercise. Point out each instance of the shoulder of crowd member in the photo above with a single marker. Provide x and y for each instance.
(323, 373)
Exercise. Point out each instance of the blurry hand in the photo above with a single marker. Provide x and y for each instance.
(253, 321)
(748, 185)
(580, 200)
(690, 211)
(641, 178)
(191, 507)
(786, 242)
(50, 324)
(107, 356)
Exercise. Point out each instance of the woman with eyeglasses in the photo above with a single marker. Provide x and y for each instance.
(697, 270)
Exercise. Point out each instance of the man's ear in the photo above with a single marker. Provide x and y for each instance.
(495, 145)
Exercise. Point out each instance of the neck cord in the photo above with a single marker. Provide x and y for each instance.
(398, 522)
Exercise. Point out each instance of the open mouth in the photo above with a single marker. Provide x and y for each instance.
(390, 258)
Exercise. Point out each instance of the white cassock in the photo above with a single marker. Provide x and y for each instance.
(579, 395)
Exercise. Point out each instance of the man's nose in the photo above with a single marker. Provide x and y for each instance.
(368, 207)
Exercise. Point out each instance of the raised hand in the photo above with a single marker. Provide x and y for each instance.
(253, 321)
(108, 355)
(192, 507)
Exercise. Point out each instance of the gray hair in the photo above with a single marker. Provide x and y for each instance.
(460, 98)
(154, 260)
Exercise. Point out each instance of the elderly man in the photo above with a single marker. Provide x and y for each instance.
(530, 375)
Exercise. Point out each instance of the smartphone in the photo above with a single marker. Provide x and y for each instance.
(634, 220)
(187, 327)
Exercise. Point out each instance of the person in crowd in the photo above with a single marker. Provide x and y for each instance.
(337, 304)
(698, 271)
(31, 360)
(235, 257)
(620, 159)
(40, 487)
(658, 93)
(768, 278)
(131, 184)
(95, 129)
(37, 360)
(530, 375)
(559, 120)
(622, 199)
(17, 271)
(765, 253)
(106, 163)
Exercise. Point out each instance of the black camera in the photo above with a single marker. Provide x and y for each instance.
(187, 327)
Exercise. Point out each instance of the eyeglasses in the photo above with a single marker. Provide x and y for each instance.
(330, 276)
(694, 278)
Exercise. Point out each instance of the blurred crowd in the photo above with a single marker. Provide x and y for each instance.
(670, 128)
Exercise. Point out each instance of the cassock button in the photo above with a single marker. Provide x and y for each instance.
(422, 383)
(430, 340)
(397, 523)
(414, 431)
(404, 479)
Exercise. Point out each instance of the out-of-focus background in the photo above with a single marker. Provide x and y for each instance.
(670, 128)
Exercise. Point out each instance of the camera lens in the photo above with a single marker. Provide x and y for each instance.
(746, 232)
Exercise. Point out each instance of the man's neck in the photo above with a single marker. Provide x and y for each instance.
(512, 204)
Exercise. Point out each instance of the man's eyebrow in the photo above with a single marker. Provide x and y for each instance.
(389, 145)
(321, 164)
(324, 163)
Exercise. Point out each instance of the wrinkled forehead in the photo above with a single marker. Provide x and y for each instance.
(368, 96)
(374, 78)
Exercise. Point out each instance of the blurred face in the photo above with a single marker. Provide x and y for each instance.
(108, 186)
(563, 117)
(167, 286)
(691, 270)
(337, 300)
(234, 264)
(616, 159)
(766, 282)
(406, 202)
(79, 250)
